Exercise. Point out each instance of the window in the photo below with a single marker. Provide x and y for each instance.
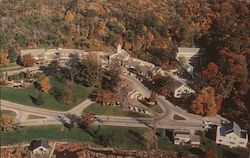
(241, 142)
(220, 140)
(232, 142)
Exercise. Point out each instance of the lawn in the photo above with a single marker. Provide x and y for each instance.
(156, 108)
(8, 112)
(11, 67)
(122, 137)
(112, 111)
(24, 96)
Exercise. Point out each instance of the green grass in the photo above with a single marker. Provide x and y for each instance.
(177, 117)
(8, 112)
(124, 137)
(11, 67)
(111, 111)
(23, 96)
(156, 108)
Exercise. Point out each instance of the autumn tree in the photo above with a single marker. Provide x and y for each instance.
(86, 119)
(206, 103)
(105, 97)
(152, 97)
(163, 85)
(210, 153)
(4, 59)
(211, 71)
(6, 122)
(45, 84)
(69, 16)
(28, 60)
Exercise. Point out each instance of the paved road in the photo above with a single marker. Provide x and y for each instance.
(166, 120)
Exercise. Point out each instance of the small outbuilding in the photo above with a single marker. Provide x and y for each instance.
(39, 147)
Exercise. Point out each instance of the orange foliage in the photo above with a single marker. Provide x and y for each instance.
(206, 103)
(211, 71)
(45, 84)
(106, 97)
(69, 16)
(28, 60)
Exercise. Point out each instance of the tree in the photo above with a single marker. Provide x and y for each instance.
(28, 60)
(105, 97)
(53, 68)
(152, 97)
(89, 73)
(21, 39)
(39, 100)
(4, 59)
(211, 71)
(210, 153)
(69, 16)
(86, 119)
(6, 122)
(12, 55)
(45, 84)
(206, 103)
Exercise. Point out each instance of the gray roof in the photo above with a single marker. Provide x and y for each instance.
(38, 143)
(195, 138)
(229, 128)
(187, 50)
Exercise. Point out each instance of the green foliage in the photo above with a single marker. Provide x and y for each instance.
(12, 55)
(21, 39)
(90, 13)
(89, 73)
(39, 100)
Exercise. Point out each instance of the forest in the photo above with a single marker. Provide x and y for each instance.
(150, 30)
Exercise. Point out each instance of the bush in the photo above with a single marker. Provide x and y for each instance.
(39, 100)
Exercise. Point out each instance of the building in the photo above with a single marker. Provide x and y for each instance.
(38, 147)
(195, 141)
(45, 56)
(190, 57)
(182, 137)
(231, 135)
(182, 90)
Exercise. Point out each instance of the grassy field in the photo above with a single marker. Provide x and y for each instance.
(8, 112)
(156, 108)
(122, 137)
(112, 111)
(24, 96)
(11, 67)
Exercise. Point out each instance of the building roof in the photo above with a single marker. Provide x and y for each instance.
(186, 50)
(39, 143)
(182, 132)
(232, 127)
(195, 138)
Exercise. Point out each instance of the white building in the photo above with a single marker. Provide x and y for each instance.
(181, 90)
(187, 55)
(182, 137)
(39, 147)
(45, 56)
(231, 135)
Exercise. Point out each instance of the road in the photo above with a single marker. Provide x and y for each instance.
(166, 119)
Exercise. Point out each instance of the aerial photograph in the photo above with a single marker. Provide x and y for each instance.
(125, 78)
